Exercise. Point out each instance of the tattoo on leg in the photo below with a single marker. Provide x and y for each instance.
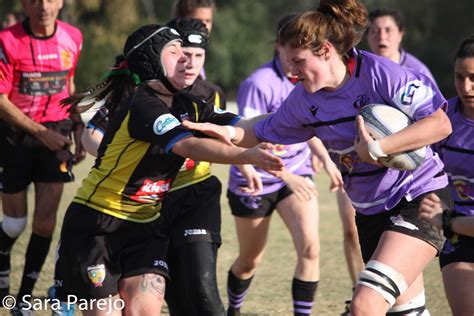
(153, 282)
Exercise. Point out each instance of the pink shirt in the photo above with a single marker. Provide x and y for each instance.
(35, 72)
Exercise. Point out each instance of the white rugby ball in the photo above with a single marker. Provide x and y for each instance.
(382, 120)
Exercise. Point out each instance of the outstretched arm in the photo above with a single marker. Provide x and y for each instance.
(212, 150)
(254, 181)
(303, 188)
(241, 134)
(318, 149)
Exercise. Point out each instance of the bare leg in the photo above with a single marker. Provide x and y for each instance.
(302, 220)
(458, 281)
(105, 309)
(252, 234)
(14, 204)
(354, 261)
(409, 259)
(47, 198)
(143, 294)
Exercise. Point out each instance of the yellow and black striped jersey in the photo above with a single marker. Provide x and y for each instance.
(135, 166)
(193, 171)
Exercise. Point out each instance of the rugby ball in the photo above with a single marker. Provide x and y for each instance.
(382, 120)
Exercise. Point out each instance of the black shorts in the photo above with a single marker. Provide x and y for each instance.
(24, 159)
(96, 250)
(193, 213)
(403, 218)
(457, 249)
(256, 206)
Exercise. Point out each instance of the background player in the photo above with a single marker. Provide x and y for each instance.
(457, 151)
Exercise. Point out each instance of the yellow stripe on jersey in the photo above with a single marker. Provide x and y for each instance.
(192, 172)
(196, 110)
(103, 188)
(217, 100)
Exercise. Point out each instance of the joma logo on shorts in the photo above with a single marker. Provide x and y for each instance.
(160, 263)
(191, 232)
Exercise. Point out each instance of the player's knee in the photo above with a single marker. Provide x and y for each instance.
(384, 280)
(248, 265)
(361, 305)
(13, 226)
(44, 227)
(310, 252)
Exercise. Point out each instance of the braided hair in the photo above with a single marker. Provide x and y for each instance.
(140, 61)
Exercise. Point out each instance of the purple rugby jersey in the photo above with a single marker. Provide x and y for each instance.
(410, 61)
(330, 115)
(457, 152)
(263, 92)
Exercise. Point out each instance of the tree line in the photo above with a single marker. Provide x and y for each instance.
(244, 33)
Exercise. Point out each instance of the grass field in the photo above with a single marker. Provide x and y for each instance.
(270, 290)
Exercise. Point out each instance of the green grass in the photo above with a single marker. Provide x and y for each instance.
(270, 290)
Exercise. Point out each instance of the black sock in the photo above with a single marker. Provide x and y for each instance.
(36, 253)
(6, 244)
(236, 291)
(303, 296)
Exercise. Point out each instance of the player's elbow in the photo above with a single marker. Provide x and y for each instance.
(91, 139)
(440, 125)
(445, 129)
(184, 147)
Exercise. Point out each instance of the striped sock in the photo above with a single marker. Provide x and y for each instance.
(303, 296)
(236, 291)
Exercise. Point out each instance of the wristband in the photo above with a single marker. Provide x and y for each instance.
(375, 151)
(448, 217)
(232, 132)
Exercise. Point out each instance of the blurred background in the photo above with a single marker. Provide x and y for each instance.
(243, 33)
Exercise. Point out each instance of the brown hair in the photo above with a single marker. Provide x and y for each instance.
(184, 8)
(341, 22)
(394, 14)
(466, 49)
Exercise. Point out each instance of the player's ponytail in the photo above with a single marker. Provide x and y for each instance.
(116, 87)
(346, 21)
(341, 22)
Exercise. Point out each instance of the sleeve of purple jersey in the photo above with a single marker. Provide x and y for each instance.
(410, 91)
(287, 124)
(251, 100)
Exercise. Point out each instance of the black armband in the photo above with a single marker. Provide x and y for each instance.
(448, 216)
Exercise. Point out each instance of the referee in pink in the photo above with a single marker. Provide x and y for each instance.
(38, 57)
